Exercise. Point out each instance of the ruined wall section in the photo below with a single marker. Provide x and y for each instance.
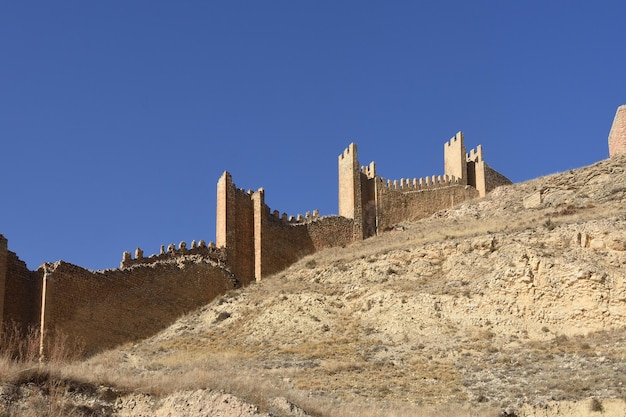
(235, 228)
(105, 308)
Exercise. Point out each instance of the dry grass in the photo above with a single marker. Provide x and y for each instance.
(261, 386)
(21, 365)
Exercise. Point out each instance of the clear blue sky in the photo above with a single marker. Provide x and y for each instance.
(118, 117)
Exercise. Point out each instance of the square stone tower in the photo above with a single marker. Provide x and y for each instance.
(455, 158)
(350, 189)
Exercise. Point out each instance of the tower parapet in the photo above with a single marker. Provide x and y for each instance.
(455, 158)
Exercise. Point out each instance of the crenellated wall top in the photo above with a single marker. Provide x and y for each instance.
(418, 184)
(455, 139)
(369, 170)
(293, 220)
(210, 251)
(475, 155)
(349, 151)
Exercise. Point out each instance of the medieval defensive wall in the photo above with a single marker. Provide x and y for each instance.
(100, 309)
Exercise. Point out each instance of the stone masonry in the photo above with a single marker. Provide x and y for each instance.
(100, 309)
(377, 204)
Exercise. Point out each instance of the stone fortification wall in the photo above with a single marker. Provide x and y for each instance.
(258, 242)
(106, 308)
(22, 293)
(20, 289)
(146, 294)
(282, 240)
(494, 179)
(396, 204)
(617, 135)
(376, 204)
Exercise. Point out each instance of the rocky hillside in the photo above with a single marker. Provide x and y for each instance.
(511, 305)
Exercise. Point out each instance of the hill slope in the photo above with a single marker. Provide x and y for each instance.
(509, 305)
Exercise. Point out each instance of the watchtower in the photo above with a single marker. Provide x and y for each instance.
(350, 198)
(455, 158)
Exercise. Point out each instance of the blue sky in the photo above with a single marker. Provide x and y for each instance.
(118, 117)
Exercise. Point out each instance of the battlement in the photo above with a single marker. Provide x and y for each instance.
(455, 140)
(208, 251)
(475, 155)
(242, 192)
(294, 220)
(350, 151)
(419, 184)
(369, 171)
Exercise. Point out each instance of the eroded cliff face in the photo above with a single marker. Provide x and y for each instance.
(553, 255)
(569, 279)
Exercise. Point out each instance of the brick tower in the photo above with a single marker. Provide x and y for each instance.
(617, 136)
